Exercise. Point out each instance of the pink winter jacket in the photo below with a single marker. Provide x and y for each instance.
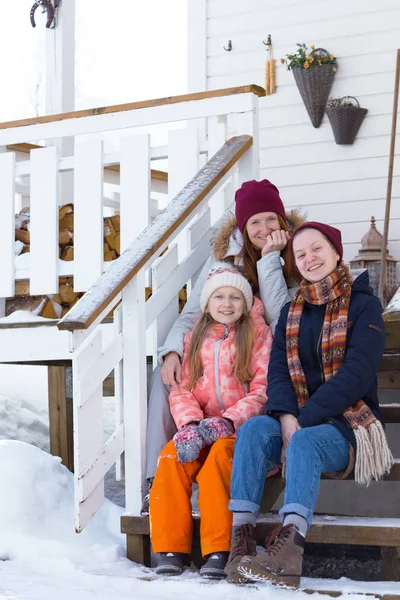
(218, 393)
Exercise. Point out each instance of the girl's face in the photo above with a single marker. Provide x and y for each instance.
(260, 226)
(226, 305)
(314, 255)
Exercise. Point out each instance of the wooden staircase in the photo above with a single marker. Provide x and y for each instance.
(326, 529)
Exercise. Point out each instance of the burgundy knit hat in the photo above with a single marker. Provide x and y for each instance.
(256, 197)
(333, 235)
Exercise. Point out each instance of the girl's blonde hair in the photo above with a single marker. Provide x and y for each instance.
(244, 341)
(251, 255)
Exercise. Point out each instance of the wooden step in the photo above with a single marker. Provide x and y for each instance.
(381, 532)
(360, 531)
(327, 529)
(391, 412)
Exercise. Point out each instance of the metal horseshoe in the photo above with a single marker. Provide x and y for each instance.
(46, 7)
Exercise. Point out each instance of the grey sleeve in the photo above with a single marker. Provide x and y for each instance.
(274, 291)
(188, 317)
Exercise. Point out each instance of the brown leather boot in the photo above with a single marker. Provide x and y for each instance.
(243, 543)
(282, 560)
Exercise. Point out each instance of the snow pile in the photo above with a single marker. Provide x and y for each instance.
(24, 405)
(25, 316)
(22, 420)
(36, 512)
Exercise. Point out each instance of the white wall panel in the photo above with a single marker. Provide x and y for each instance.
(344, 185)
(314, 28)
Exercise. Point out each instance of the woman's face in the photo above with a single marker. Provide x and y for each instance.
(314, 255)
(260, 226)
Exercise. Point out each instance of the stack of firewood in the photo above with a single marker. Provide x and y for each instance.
(66, 233)
(56, 306)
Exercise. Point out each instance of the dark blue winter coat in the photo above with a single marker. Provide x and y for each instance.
(357, 377)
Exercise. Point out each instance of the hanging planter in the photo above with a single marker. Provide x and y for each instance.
(345, 116)
(313, 72)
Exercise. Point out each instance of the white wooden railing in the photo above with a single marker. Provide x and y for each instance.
(48, 179)
(184, 227)
(121, 289)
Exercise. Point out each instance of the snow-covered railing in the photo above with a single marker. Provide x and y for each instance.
(52, 177)
(121, 290)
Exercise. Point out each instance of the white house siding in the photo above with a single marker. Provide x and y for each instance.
(342, 185)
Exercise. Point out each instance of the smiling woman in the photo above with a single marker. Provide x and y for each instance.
(323, 413)
(315, 254)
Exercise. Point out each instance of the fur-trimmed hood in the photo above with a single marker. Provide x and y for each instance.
(229, 240)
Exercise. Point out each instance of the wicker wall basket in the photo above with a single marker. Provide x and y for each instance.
(314, 86)
(346, 121)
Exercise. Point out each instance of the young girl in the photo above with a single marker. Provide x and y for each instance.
(224, 378)
(323, 413)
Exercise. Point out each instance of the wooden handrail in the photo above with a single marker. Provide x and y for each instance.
(155, 236)
(26, 148)
(254, 89)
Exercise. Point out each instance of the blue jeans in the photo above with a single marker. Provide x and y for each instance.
(311, 451)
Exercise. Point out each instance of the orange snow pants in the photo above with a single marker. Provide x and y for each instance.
(171, 525)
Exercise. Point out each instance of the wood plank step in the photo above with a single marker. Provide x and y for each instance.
(324, 529)
(394, 474)
(391, 412)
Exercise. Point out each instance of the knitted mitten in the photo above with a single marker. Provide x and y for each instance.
(188, 443)
(215, 427)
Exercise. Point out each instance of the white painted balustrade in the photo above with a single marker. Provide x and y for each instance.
(128, 192)
(97, 346)
(156, 316)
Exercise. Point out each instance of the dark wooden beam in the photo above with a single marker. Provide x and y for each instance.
(60, 414)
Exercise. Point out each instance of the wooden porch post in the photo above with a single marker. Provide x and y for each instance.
(60, 414)
(60, 83)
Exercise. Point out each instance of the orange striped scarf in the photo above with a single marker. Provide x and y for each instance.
(373, 459)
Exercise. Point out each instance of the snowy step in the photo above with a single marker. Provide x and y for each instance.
(327, 529)
(324, 529)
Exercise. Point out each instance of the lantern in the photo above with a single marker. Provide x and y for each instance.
(369, 257)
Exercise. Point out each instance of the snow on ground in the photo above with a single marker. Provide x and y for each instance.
(24, 415)
(41, 556)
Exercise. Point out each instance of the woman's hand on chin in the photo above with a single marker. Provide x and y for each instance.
(277, 240)
(171, 369)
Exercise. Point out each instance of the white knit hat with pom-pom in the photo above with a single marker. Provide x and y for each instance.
(222, 276)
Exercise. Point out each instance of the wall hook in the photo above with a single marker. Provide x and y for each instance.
(268, 42)
(229, 48)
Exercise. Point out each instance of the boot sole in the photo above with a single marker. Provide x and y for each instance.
(168, 571)
(238, 579)
(254, 573)
(212, 573)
